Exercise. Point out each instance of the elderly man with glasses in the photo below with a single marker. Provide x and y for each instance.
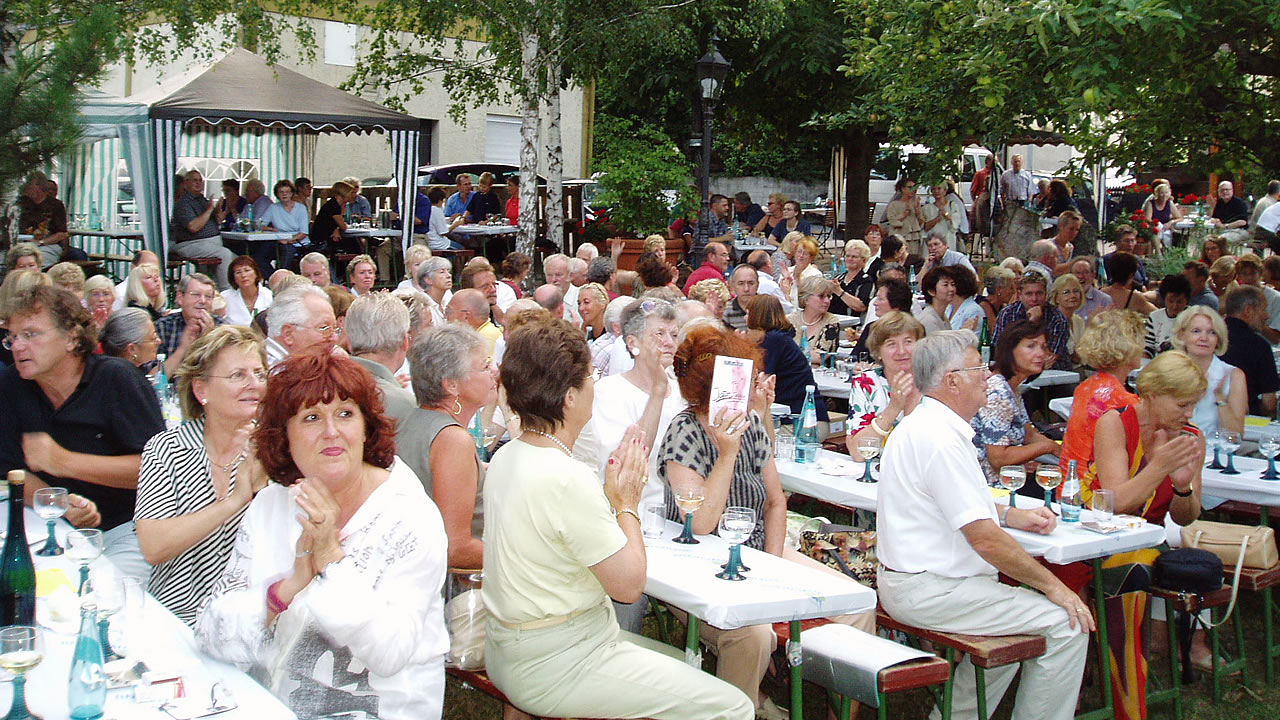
(942, 542)
(178, 330)
(300, 319)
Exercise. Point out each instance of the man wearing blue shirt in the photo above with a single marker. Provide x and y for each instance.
(456, 205)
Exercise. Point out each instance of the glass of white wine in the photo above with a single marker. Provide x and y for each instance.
(1012, 478)
(736, 526)
(50, 503)
(1048, 477)
(1269, 447)
(1230, 443)
(689, 497)
(869, 449)
(1214, 441)
(21, 649)
(84, 546)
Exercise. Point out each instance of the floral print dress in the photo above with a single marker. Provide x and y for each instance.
(1002, 421)
(868, 396)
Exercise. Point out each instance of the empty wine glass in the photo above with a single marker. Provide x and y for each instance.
(1230, 443)
(869, 449)
(1048, 477)
(736, 526)
(21, 649)
(1103, 503)
(1269, 447)
(84, 546)
(1215, 441)
(109, 596)
(1012, 478)
(689, 497)
(50, 503)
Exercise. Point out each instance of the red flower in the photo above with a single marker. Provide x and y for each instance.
(864, 383)
(1138, 213)
(1146, 226)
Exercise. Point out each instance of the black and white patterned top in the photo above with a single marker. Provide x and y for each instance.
(174, 480)
(689, 444)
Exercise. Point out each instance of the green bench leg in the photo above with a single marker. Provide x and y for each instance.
(980, 681)
(1268, 634)
(1239, 663)
(949, 685)
(797, 676)
(692, 653)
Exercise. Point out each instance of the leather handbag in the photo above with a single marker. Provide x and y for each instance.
(1189, 570)
(1225, 540)
(848, 549)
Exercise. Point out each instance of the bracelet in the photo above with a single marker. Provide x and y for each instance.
(1004, 516)
(1188, 493)
(875, 427)
(627, 511)
(274, 603)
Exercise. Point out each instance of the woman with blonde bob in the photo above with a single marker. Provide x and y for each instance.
(145, 289)
(1068, 296)
(814, 317)
(1112, 344)
(1200, 332)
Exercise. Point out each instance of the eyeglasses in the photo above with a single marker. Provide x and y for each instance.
(326, 330)
(26, 336)
(240, 377)
(648, 306)
(985, 370)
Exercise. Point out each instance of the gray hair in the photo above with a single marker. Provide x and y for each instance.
(613, 313)
(314, 258)
(185, 281)
(600, 270)
(1041, 248)
(635, 319)
(591, 251)
(938, 354)
(555, 257)
(290, 308)
(1241, 298)
(576, 265)
(418, 306)
(935, 233)
(124, 328)
(376, 322)
(428, 266)
(442, 353)
(690, 310)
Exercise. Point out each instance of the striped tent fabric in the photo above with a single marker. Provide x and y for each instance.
(404, 156)
(166, 136)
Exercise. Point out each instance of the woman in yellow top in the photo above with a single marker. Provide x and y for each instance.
(557, 548)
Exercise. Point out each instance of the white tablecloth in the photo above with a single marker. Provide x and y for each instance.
(776, 590)
(1049, 378)
(830, 385)
(747, 245)
(1245, 487)
(834, 479)
(475, 229)
(163, 642)
(256, 236)
(848, 320)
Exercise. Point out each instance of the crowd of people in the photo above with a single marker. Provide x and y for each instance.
(342, 450)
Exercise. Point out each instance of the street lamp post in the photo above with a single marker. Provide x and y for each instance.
(712, 70)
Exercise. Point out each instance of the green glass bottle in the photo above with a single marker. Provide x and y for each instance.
(17, 572)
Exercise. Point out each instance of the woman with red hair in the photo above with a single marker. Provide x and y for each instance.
(333, 589)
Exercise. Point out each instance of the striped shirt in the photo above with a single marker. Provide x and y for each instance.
(174, 480)
(688, 443)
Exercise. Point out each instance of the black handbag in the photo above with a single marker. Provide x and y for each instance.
(1190, 570)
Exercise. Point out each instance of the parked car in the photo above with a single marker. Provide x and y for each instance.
(448, 174)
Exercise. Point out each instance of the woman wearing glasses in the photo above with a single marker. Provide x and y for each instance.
(197, 479)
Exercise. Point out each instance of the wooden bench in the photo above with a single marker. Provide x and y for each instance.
(175, 268)
(479, 680)
(924, 672)
(1261, 581)
(1184, 602)
(985, 652)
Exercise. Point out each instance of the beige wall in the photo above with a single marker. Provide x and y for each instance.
(370, 155)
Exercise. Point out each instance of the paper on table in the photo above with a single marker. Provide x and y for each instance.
(48, 580)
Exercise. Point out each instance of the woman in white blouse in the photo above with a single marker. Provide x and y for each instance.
(333, 589)
(248, 295)
(289, 216)
(435, 277)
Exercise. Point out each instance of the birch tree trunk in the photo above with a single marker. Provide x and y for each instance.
(555, 156)
(529, 77)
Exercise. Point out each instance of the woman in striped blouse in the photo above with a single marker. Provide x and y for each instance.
(197, 479)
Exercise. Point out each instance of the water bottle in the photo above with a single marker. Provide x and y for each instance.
(804, 342)
(477, 434)
(87, 687)
(807, 440)
(252, 227)
(160, 380)
(911, 279)
(95, 218)
(1071, 499)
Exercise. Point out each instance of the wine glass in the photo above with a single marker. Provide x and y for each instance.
(109, 596)
(1215, 441)
(1012, 478)
(1103, 503)
(736, 526)
(1230, 443)
(50, 503)
(869, 449)
(689, 497)
(84, 546)
(1048, 477)
(21, 649)
(1269, 447)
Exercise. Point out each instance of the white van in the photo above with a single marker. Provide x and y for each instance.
(892, 162)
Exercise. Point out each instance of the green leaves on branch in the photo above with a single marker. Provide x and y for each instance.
(642, 169)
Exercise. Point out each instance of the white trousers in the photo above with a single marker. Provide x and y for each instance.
(983, 606)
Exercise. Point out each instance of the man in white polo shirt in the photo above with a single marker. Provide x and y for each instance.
(941, 542)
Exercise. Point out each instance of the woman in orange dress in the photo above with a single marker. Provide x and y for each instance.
(1112, 344)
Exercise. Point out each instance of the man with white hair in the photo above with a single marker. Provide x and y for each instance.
(690, 310)
(300, 319)
(315, 267)
(1042, 257)
(1016, 184)
(178, 330)
(578, 271)
(942, 544)
(600, 347)
(470, 306)
(588, 252)
(763, 263)
(1230, 212)
(377, 327)
(557, 270)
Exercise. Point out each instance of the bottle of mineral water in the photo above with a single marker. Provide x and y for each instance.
(807, 440)
(1071, 499)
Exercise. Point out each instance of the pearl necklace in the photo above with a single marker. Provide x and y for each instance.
(553, 439)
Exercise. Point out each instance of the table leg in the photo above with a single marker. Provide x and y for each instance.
(794, 659)
(1107, 711)
(692, 650)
